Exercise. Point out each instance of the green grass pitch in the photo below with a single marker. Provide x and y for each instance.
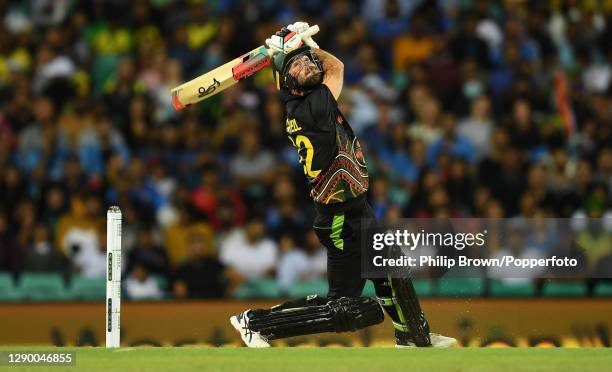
(327, 359)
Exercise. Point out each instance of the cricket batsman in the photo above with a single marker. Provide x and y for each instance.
(310, 81)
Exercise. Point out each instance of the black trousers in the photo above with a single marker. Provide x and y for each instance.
(340, 231)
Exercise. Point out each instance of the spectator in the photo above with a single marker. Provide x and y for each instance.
(143, 191)
(12, 188)
(414, 47)
(514, 245)
(25, 218)
(80, 225)
(502, 172)
(175, 239)
(595, 240)
(459, 185)
(604, 168)
(394, 22)
(148, 254)
(300, 264)
(379, 9)
(201, 274)
(119, 92)
(379, 194)
(55, 206)
(50, 67)
(249, 251)
(89, 258)
(427, 126)
(561, 171)
(285, 217)
(402, 159)
(73, 178)
(468, 45)
(543, 235)
(41, 255)
(98, 142)
(41, 140)
(478, 127)
(139, 285)
(8, 251)
(252, 167)
(209, 200)
(451, 143)
(522, 129)
(582, 182)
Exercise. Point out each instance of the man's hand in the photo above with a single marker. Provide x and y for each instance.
(274, 45)
(300, 28)
(290, 38)
(284, 41)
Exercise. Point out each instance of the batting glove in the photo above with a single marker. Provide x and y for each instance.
(284, 41)
(299, 28)
(274, 45)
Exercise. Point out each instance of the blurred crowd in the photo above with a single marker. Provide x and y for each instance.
(466, 108)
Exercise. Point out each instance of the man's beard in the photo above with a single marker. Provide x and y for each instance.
(311, 81)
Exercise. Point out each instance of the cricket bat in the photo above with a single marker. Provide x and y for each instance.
(223, 77)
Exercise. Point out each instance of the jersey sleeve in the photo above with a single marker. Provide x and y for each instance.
(323, 107)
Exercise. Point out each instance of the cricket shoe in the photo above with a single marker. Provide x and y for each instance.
(402, 340)
(250, 338)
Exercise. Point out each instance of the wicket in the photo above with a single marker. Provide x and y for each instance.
(113, 277)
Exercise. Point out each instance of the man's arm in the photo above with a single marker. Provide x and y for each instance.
(334, 71)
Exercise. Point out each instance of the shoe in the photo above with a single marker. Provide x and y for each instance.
(403, 340)
(438, 340)
(250, 338)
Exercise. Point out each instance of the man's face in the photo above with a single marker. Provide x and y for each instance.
(255, 230)
(305, 72)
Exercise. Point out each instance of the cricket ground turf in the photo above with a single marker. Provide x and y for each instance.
(326, 359)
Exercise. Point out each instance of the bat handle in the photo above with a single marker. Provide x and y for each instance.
(312, 30)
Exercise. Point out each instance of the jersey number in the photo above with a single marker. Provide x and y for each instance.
(302, 142)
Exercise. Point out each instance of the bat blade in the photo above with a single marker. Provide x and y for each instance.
(223, 77)
(219, 79)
